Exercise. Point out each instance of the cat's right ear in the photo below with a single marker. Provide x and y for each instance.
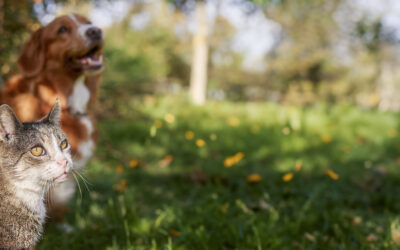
(9, 123)
(53, 117)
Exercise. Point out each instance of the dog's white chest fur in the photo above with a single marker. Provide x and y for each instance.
(79, 99)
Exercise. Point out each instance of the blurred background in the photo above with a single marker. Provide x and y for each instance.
(289, 52)
(235, 124)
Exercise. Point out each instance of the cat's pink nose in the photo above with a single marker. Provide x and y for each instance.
(62, 163)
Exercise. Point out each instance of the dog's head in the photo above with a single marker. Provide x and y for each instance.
(69, 41)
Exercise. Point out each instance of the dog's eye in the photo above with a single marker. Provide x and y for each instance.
(62, 30)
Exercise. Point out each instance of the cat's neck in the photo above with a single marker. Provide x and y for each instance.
(31, 195)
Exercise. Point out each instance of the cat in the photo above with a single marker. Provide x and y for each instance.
(33, 156)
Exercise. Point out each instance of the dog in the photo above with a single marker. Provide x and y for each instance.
(63, 60)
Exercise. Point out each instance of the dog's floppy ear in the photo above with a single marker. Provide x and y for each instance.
(31, 60)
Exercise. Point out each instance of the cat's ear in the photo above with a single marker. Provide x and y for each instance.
(53, 117)
(9, 123)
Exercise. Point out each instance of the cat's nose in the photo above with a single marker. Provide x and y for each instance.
(62, 163)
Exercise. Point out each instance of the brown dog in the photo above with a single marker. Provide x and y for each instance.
(61, 60)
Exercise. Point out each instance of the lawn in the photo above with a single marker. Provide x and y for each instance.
(168, 175)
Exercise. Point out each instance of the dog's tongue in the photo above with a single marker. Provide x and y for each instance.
(92, 60)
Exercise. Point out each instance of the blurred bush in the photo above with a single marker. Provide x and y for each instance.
(322, 53)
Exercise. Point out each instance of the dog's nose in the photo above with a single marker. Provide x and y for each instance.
(94, 33)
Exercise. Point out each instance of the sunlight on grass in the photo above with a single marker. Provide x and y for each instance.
(227, 174)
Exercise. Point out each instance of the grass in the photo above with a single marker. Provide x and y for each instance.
(322, 178)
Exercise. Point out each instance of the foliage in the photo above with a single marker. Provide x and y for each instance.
(16, 20)
(241, 176)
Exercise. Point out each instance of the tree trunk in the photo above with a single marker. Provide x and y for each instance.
(198, 77)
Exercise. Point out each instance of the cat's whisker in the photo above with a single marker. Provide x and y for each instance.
(77, 182)
(83, 179)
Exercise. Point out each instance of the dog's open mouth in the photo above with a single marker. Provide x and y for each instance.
(91, 61)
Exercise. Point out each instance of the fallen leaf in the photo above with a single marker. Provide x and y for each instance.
(170, 118)
(133, 163)
(189, 135)
(200, 143)
(166, 161)
(253, 178)
(288, 177)
(232, 160)
(121, 186)
(119, 169)
(326, 138)
(332, 174)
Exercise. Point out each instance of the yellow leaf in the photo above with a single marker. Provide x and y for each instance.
(121, 186)
(288, 177)
(189, 135)
(253, 178)
(133, 163)
(119, 169)
(228, 162)
(326, 138)
(170, 118)
(200, 143)
(332, 174)
(232, 160)
(166, 161)
(346, 149)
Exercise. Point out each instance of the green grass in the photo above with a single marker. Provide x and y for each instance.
(194, 202)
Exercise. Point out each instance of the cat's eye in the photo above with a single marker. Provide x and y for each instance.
(37, 151)
(64, 144)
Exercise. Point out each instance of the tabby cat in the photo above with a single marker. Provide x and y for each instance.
(33, 156)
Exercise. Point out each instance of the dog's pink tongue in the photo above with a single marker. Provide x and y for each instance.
(95, 60)
(84, 61)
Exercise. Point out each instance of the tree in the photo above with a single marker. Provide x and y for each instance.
(198, 78)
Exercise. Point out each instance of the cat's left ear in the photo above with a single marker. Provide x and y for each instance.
(53, 117)
(9, 123)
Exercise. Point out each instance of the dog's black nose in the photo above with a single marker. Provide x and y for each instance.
(94, 33)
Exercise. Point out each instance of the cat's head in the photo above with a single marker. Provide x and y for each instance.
(36, 151)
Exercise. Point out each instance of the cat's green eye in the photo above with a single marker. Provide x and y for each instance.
(37, 151)
(64, 144)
